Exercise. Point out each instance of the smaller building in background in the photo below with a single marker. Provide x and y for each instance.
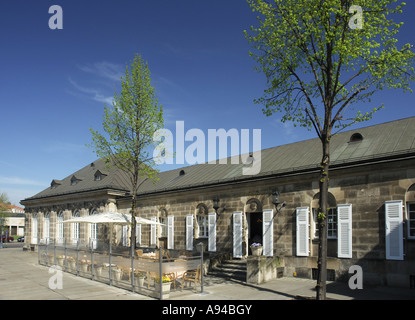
(14, 219)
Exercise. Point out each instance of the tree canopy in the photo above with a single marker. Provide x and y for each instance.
(129, 126)
(323, 61)
(319, 66)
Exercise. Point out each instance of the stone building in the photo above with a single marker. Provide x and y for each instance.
(371, 220)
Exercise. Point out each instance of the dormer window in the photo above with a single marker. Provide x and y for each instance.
(54, 184)
(356, 137)
(249, 160)
(75, 180)
(98, 175)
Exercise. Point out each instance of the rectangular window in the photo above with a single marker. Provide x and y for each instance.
(411, 220)
(163, 227)
(331, 223)
(202, 221)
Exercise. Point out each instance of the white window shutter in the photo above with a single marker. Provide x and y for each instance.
(153, 232)
(170, 232)
(212, 232)
(138, 234)
(237, 234)
(302, 231)
(125, 236)
(189, 232)
(394, 230)
(344, 231)
(268, 232)
(34, 229)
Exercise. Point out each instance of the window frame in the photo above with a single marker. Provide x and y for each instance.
(60, 228)
(163, 220)
(202, 222)
(409, 220)
(75, 227)
(333, 223)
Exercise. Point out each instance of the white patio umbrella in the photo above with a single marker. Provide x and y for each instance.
(111, 218)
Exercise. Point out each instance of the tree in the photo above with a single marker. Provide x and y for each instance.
(4, 208)
(4, 203)
(129, 124)
(4, 199)
(322, 60)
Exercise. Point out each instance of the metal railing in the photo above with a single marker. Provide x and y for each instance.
(138, 271)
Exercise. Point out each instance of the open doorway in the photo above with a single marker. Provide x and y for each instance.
(254, 220)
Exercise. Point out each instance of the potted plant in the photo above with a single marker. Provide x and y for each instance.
(116, 274)
(256, 249)
(72, 263)
(61, 260)
(51, 259)
(83, 265)
(98, 269)
(165, 285)
(139, 277)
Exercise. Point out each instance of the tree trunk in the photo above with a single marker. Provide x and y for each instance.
(322, 221)
(133, 224)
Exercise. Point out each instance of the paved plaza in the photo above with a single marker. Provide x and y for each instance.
(21, 278)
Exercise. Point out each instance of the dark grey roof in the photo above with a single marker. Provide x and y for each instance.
(114, 180)
(391, 139)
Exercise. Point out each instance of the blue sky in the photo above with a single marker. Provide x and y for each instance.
(54, 83)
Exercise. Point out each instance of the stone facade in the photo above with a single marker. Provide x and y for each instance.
(366, 188)
(366, 184)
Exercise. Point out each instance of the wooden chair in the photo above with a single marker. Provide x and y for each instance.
(125, 271)
(192, 276)
(175, 275)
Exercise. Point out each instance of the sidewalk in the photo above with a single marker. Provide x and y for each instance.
(21, 278)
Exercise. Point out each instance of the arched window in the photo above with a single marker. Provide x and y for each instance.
(202, 220)
(163, 220)
(356, 137)
(46, 227)
(34, 228)
(93, 232)
(331, 217)
(59, 228)
(75, 228)
(410, 210)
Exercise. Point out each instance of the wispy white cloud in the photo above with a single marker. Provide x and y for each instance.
(104, 72)
(93, 94)
(104, 69)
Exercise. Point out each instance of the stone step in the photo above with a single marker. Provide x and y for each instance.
(230, 269)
